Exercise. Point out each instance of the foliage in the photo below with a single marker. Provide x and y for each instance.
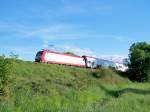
(139, 62)
(71, 53)
(5, 68)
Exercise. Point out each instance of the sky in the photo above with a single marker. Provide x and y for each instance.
(91, 27)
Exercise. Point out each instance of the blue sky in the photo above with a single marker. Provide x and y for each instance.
(93, 27)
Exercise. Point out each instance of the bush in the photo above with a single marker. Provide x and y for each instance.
(97, 74)
(5, 68)
(139, 62)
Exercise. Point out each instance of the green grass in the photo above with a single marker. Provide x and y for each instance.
(39, 87)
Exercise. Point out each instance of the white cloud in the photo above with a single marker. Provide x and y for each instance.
(115, 58)
(78, 51)
(57, 32)
(47, 32)
(70, 48)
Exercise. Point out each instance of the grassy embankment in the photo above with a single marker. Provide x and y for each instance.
(38, 87)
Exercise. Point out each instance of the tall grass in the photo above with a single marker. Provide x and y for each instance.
(39, 87)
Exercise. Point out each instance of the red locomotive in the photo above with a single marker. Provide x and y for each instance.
(66, 59)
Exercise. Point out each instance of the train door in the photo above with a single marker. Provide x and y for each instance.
(89, 62)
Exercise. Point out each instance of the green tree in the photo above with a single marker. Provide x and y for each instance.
(139, 62)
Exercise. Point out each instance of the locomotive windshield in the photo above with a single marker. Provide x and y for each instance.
(38, 56)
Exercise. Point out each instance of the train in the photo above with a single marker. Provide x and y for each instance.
(53, 57)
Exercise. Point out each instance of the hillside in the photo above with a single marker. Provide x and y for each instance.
(39, 87)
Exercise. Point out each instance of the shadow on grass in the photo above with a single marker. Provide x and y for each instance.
(123, 74)
(123, 91)
(2, 92)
